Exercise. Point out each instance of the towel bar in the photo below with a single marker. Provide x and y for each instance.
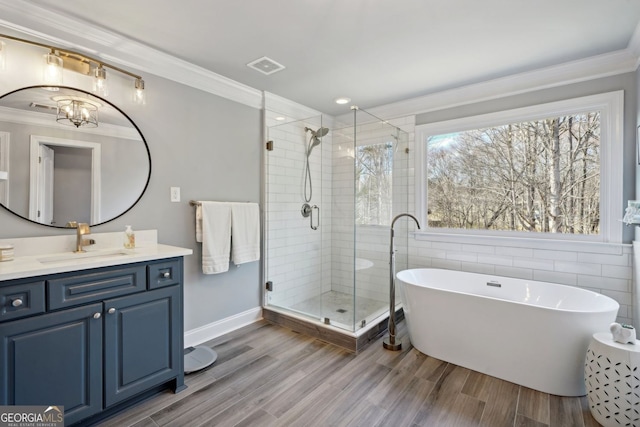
(197, 203)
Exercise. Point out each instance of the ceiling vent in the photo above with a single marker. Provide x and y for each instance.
(48, 108)
(266, 65)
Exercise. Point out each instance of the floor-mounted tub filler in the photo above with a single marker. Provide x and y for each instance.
(530, 333)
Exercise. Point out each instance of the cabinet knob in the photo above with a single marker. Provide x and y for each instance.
(166, 274)
(97, 316)
(111, 310)
(17, 302)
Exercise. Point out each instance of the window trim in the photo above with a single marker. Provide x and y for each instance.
(611, 107)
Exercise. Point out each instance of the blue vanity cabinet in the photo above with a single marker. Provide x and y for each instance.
(104, 337)
(139, 330)
(54, 359)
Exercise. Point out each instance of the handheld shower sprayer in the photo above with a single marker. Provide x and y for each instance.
(313, 141)
(315, 137)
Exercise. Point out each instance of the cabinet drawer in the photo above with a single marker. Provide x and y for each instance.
(165, 273)
(97, 286)
(21, 300)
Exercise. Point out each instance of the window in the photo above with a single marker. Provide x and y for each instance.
(547, 171)
(374, 165)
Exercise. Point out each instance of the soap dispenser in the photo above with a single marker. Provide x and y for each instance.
(129, 238)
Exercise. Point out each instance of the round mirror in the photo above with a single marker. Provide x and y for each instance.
(67, 155)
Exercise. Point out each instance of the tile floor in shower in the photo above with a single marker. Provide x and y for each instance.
(338, 307)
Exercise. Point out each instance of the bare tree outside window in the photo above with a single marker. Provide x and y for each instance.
(538, 176)
(374, 165)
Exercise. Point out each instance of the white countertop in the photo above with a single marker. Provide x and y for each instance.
(29, 262)
(38, 265)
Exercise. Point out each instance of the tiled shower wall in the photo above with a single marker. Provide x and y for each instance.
(606, 269)
(298, 258)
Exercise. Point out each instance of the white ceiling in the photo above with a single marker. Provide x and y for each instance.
(372, 51)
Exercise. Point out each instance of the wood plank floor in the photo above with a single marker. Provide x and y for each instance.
(267, 375)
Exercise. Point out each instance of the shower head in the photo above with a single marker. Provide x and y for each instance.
(315, 137)
(317, 133)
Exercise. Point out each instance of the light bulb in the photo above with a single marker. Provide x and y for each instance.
(3, 56)
(139, 96)
(100, 86)
(52, 73)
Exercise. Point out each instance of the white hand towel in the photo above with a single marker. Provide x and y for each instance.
(216, 237)
(245, 229)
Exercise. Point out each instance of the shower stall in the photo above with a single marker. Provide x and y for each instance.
(331, 190)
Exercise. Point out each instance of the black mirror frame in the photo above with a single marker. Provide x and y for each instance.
(146, 146)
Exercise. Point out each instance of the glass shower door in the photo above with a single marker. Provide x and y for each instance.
(297, 225)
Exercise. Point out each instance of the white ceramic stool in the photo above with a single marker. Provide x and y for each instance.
(612, 378)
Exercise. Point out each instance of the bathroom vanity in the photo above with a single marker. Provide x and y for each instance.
(91, 333)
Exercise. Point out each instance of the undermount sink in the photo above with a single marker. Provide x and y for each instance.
(84, 256)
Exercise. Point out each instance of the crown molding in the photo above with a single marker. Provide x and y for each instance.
(33, 20)
(605, 65)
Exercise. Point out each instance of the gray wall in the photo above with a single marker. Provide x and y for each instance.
(208, 146)
(626, 82)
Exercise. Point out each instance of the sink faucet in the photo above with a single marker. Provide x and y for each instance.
(82, 228)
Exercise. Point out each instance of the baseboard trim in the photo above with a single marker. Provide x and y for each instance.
(213, 330)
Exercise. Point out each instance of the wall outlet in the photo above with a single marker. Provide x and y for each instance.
(175, 194)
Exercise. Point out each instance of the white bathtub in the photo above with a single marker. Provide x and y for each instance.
(531, 333)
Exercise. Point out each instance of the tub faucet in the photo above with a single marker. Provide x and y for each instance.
(391, 343)
(82, 228)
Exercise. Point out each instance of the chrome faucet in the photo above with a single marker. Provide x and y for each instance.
(391, 343)
(82, 228)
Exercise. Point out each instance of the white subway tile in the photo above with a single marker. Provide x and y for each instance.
(432, 253)
(445, 263)
(555, 255)
(535, 264)
(495, 259)
(481, 249)
(447, 246)
(473, 267)
(462, 256)
(617, 271)
(613, 284)
(578, 268)
(556, 277)
(519, 252)
(620, 260)
(519, 273)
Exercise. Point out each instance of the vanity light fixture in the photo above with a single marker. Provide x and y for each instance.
(139, 96)
(58, 59)
(52, 71)
(77, 112)
(100, 85)
(3, 55)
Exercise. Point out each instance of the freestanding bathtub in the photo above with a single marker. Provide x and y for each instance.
(530, 333)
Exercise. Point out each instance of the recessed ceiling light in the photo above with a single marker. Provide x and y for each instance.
(342, 100)
(280, 118)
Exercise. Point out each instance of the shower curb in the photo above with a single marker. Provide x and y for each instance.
(345, 340)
